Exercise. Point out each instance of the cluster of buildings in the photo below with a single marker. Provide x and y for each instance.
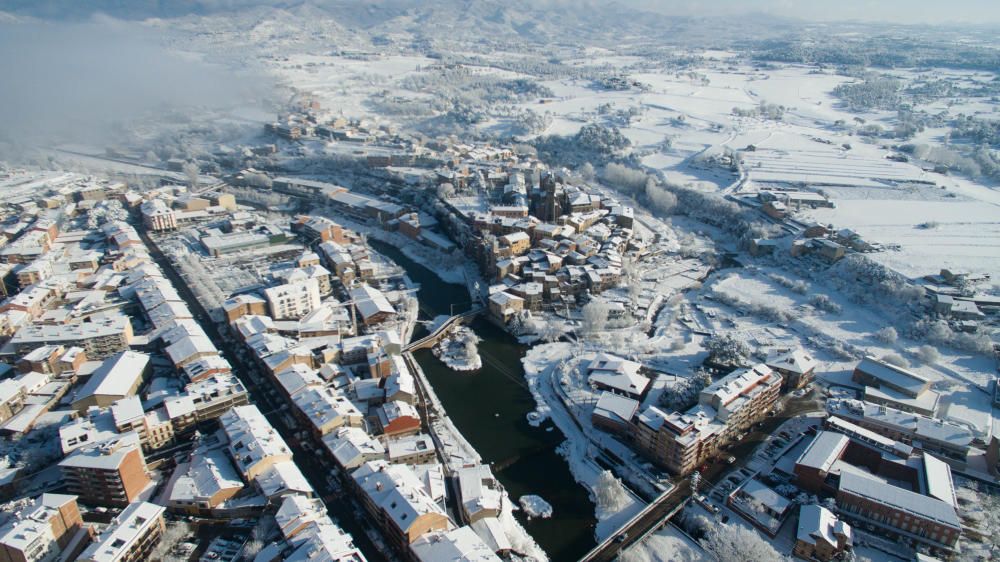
(544, 242)
(681, 441)
(104, 354)
(171, 207)
(351, 387)
(843, 476)
(541, 240)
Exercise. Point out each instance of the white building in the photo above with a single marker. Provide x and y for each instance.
(293, 301)
(157, 216)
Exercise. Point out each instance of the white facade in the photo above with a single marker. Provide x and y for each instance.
(294, 300)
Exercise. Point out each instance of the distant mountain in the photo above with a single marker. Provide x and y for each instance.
(535, 21)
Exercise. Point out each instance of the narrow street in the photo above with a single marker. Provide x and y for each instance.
(343, 507)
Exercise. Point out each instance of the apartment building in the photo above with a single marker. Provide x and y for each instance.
(157, 216)
(948, 440)
(911, 498)
(118, 377)
(111, 472)
(683, 441)
(394, 496)
(99, 338)
(253, 443)
(153, 428)
(130, 537)
(50, 527)
(294, 300)
(244, 305)
(204, 400)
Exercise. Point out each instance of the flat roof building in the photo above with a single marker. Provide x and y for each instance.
(50, 527)
(111, 472)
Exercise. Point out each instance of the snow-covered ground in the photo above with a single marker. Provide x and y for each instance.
(853, 328)
(956, 234)
(458, 349)
(667, 544)
(612, 509)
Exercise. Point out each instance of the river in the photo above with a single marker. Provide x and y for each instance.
(490, 407)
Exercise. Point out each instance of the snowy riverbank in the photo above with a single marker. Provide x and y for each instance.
(460, 453)
(613, 503)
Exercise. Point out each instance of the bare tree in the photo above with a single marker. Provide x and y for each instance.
(887, 335)
(174, 533)
(595, 316)
(192, 172)
(610, 493)
(734, 543)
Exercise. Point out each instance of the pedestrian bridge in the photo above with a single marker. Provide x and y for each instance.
(429, 340)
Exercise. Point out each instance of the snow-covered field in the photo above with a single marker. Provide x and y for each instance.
(931, 235)
(344, 85)
(853, 328)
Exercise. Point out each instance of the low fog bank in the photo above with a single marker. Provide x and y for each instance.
(95, 81)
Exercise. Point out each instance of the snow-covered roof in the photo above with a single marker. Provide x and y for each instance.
(817, 522)
(866, 435)
(117, 376)
(615, 407)
(478, 489)
(251, 437)
(405, 447)
(824, 450)
(937, 476)
(105, 455)
(491, 531)
(899, 498)
(795, 361)
(396, 490)
(297, 378)
(370, 301)
(892, 376)
(32, 526)
(324, 406)
(281, 478)
(189, 347)
(119, 537)
(209, 472)
(617, 373)
(458, 544)
(351, 446)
